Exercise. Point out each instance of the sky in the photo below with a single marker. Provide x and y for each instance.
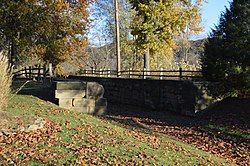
(211, 12)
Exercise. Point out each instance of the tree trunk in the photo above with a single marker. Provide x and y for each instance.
(147, 63)
(117, 39)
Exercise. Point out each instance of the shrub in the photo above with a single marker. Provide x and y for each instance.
(5, 81)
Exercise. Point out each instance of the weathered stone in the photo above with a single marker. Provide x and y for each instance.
(70, 85)
(94, 90)
(71, 95)
(79, 109)
(101, 102)
(40, 122)
(32, 128)
(60, 94)
(65, 102)
(91, 110)
(21, 129)
(184, 97)
(83, 102)
(98, 110)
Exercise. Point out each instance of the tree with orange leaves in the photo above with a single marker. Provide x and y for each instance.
(51, 30)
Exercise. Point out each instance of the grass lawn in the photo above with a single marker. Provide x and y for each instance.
(76, 138)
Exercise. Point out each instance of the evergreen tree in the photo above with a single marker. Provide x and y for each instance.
(227, 53)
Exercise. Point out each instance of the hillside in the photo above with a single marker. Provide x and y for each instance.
(104, 56)
(71, 138)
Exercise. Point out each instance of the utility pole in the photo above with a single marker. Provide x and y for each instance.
(117, 39)
(147, 63)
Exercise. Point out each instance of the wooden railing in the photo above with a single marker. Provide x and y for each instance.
(41, 72)
(38, 72)
(144, 74)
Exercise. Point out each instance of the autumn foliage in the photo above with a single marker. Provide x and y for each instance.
(157, 23)
(130, 136)
(49, 30)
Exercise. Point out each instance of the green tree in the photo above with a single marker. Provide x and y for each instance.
(158, 22)
(51, 30)
(227, 53)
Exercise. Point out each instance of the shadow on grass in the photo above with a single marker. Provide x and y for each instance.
(158, 117)
(227, 120)
(223, 129)
(34, 88)
(229, 117)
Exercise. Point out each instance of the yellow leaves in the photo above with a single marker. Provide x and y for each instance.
(199, 2)
(160, 22)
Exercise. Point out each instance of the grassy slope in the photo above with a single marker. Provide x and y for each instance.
(88, 139)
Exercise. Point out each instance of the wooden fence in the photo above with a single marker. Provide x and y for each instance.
(144, 74)
(38, 72)
(41, 72)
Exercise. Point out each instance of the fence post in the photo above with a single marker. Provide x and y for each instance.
(33, 76)
(29, 72)
(26, 74)
(101, 73)
(161, 74)
(92, 71)
(44, 73)
(144, 71)
(50, 72)
(85, 72)
(38, 73)
(109, 72)
(129, 70)
(180, 73)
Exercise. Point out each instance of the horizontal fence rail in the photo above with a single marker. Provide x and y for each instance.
(144, 74)
(39, 72)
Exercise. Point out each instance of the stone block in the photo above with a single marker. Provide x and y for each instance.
(69, 94)
(94, 90)
(65, 103)
(79, 109)
(91, 110)
(83, 102)
(101, 102)
(100, 110)
(70, 85)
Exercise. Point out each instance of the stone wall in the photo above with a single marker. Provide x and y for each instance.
(183, 97)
